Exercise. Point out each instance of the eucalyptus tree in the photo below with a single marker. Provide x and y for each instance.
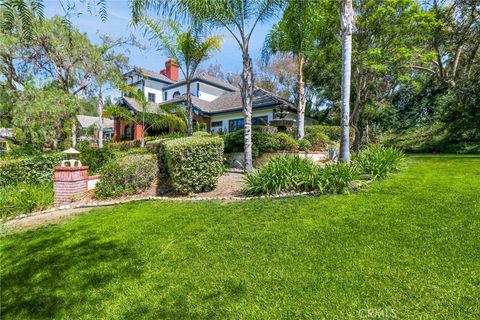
(347, 25)
(187, 47)
(239, 18)
(294, 35)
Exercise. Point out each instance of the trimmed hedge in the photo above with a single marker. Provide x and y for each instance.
(94, 158)
(133, 174)
(194, 164)
(32, 170)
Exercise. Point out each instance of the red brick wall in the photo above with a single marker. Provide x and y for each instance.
(69, 184)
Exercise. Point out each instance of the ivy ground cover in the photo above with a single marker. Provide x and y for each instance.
(406, 248)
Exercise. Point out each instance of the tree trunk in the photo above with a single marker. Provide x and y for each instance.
(346, 27)
(189, 110)
(144, 130)
(301, 101)
(74, 132)
(100, 119)
(247, 87)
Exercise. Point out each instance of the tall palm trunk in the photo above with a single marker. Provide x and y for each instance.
(346, 27)
(247, 87)
(100, 118)
(189, 110)
(301, 101)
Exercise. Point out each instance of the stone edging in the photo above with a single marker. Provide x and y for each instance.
(173, 199)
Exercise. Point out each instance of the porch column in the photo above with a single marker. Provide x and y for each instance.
(137, 131)
(116, 130)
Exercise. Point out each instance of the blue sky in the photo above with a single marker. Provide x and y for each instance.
(118, 25)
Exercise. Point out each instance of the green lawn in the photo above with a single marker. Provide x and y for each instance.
(408, 248)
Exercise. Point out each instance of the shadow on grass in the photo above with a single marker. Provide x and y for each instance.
(47, 273)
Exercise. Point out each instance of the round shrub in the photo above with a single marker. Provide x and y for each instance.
(317, 139)
(304, 145)
(285, 142)
(261, 142)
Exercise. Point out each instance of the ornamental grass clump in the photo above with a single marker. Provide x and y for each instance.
(282, 174)
(338, 178)
(25, 198)
(377, 161)
(299, 174)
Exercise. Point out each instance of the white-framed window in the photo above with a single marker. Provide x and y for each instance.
(217, 124)
(151, 97)
(176, 94)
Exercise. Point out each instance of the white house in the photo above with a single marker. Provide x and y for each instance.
(217, 104)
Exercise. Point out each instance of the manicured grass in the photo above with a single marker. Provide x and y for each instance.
(409, 247)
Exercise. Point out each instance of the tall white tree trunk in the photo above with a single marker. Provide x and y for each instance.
(301, 101)
(346, 28)
(74, 132)
(189, 111)
(247, 87)
(100, 119)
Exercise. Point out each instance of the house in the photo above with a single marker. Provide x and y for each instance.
(6, 134)
(88, 127)
(216, 104)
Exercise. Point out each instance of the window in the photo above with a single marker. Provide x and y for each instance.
(165, 96)
(260, 121)
(151, 97)
(176, 94)
(235, 124)
(217, 124)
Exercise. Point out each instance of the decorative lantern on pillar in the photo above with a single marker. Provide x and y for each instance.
(72, 158)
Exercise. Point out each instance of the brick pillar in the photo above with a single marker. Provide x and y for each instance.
(137, 131)
(69, 184)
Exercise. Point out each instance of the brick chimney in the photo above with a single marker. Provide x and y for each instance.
(171, 70)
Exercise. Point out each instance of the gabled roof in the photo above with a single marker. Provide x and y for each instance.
(232, 102)
(182, 99)
(205, 78)
(133, 105)
(150, 74)
(89, 121)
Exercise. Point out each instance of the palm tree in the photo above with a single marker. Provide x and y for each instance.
(239, 18)
(294, 35)
(347, 25)
(189, 48)
(171, 116)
